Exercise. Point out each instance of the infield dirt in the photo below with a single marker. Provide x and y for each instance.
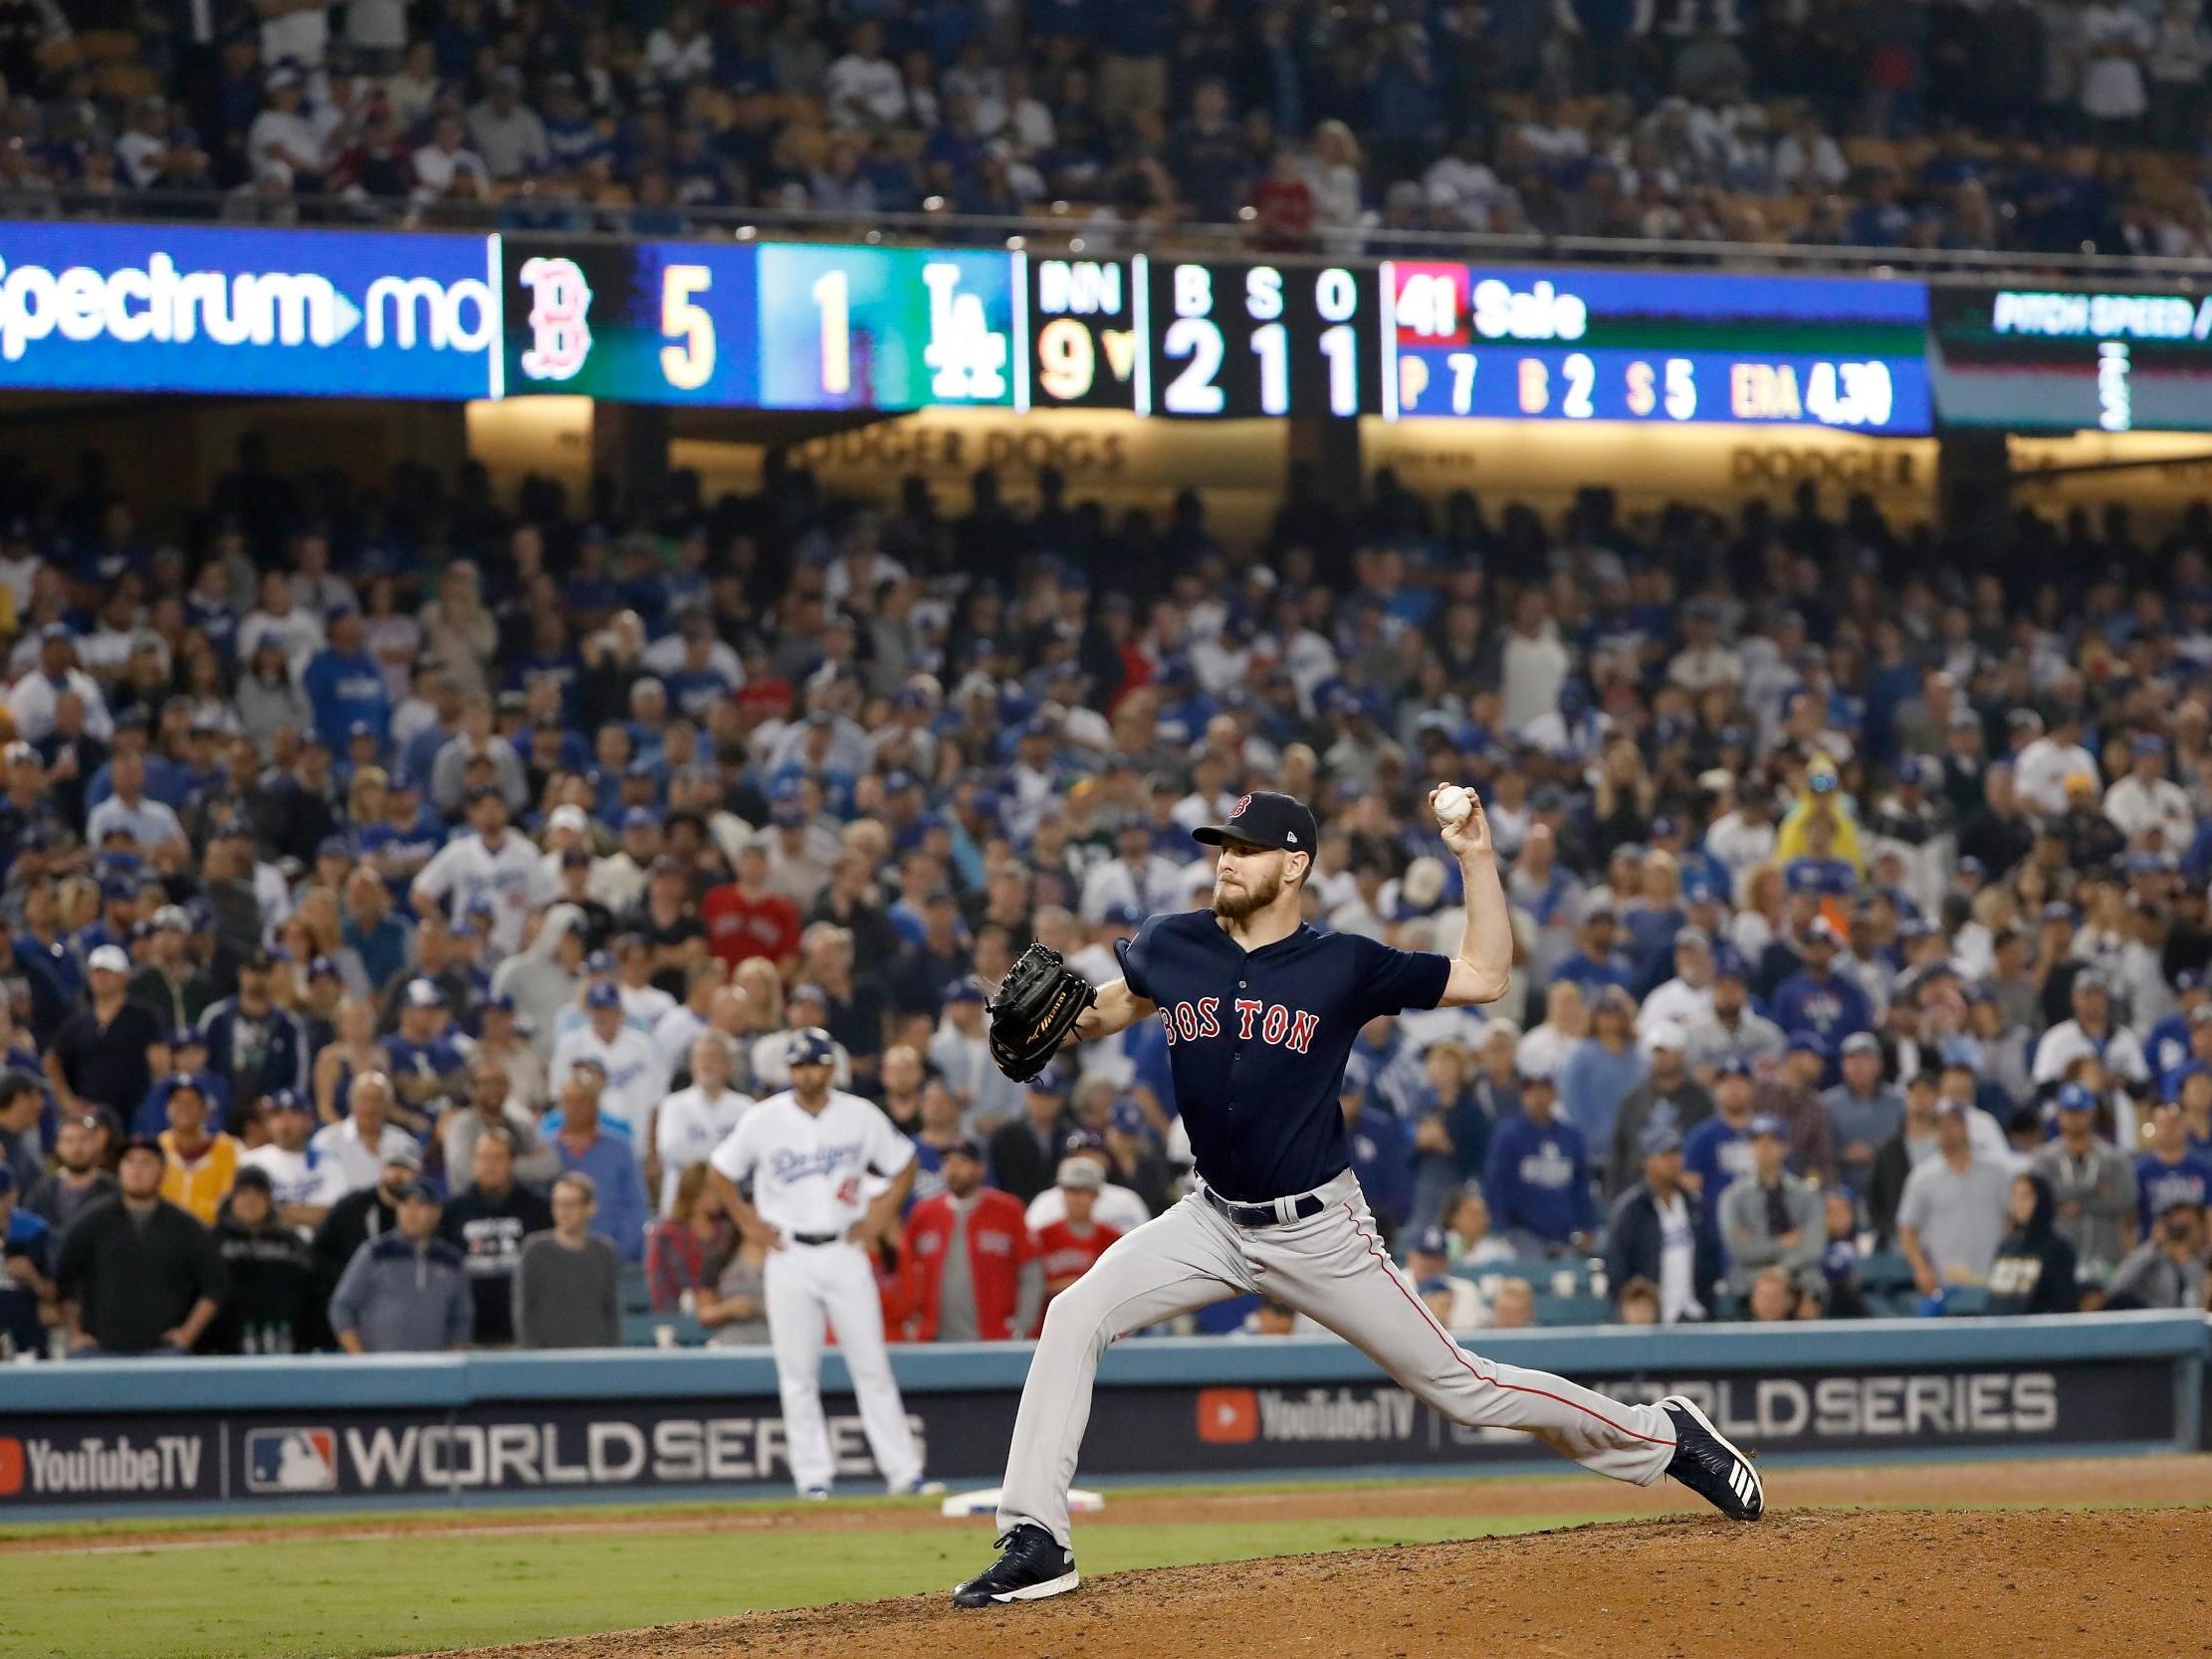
(1805, 1583)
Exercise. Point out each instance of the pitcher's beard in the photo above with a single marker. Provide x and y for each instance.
(1237, 902)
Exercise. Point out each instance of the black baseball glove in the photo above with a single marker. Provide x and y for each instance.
(1034, 1009)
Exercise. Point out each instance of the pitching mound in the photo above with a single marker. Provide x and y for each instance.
(1803, 1584)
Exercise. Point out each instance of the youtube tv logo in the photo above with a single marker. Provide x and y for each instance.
(1228, 1417)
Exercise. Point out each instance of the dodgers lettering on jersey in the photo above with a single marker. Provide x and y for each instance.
(810, 1170)
(1257, 1040)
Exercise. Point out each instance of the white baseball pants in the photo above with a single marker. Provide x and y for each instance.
(809, 1286)
(1331, 1266)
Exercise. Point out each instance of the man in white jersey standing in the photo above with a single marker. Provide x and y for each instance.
(693, 1122)
(807, 1155)
(489, 863)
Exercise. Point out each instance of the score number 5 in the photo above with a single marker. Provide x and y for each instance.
(688, 362)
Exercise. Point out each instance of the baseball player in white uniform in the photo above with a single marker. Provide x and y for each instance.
(807, 1153)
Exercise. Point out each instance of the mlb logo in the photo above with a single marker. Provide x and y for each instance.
(290, 1460)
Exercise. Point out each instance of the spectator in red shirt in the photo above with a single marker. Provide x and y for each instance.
(1282, 203)
(970, 1267)
(1067, 1247)
(745, 919)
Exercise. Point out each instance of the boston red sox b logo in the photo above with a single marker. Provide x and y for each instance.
(561, 333)
(1243, 801)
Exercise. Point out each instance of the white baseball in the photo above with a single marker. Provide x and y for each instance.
(1454, 806)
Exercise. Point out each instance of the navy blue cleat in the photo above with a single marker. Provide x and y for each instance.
(1032, 1566)
(1709, 1466)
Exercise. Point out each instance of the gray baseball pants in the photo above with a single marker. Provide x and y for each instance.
(1332, 1266)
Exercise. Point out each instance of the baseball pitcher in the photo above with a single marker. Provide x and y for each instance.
(1260, 1012)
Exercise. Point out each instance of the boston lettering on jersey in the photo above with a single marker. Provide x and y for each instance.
(1257, 1041)
(1267, 1022)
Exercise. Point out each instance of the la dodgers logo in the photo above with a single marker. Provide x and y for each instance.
(558, 303)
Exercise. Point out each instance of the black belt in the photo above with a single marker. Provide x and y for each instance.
(817, 1238)
(1263, 1215)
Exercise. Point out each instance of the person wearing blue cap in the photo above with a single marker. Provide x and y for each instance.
(2166, 1046)
(344, 683)
(637, 1074)
(2092, 1184)
(1025, 1152)
(1770, 1218)
(1719, 1150)
(1660, 1233)
(1536, 1177)
(1139, 877)
(1819, 997)
(1735, 1027)
(26, 1247)
(805, 1156)
(1381, 1150)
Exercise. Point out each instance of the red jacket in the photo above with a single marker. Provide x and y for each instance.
(998, 1245)
(1068, 1256)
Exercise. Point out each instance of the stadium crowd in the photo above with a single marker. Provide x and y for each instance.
(1942, 126)
(404, 894)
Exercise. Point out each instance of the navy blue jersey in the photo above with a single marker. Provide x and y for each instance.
(1257, 1040)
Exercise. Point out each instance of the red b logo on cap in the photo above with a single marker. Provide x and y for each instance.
(1243, 801)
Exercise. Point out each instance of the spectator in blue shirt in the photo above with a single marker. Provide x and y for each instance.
(2166, 1046)
(345, 685)
(1381, 1152)
(584, 1145)
(1537, 1177)
(1719, 1149)
(26, 1270)
(1817, 998)
(2169, 1172)
(1600, 1069)
(1595, 963)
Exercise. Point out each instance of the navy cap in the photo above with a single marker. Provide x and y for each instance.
(1808, 1042)
(810, 1046)
(1082, 1140)
(1732, 1065)
(1123, 915)
(499, 1002)
(1265, 819)
(2074, 1098)
(641, 817)
(1127, 1118)
(333, 845)
(422, 993)
(1053, 1080)
(119, 889)
(1728, 963)
(286, 1100)
(1659, 1138)
(421, 1191)
(185, 1034)
(2057, 910)
(603, 993)
(964, 990)
(966, 1147)
(2148, 743)
(1766, 1123)
(1432, 1242)
(322, 968)
(2188, 979)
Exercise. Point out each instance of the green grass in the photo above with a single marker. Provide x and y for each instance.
(317, 1597)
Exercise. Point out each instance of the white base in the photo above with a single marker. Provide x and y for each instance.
(963, 1505)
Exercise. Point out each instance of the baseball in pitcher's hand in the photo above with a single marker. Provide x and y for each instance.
(1470, 837)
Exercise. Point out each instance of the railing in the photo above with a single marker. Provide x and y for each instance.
(1066, 227)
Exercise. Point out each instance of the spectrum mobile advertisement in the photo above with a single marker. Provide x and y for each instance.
(294, 313)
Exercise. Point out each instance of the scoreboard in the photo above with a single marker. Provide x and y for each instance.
(771, 325)
(2073, 359)
(1654, 346)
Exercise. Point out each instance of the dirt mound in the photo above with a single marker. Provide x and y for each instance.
(1804, 1584)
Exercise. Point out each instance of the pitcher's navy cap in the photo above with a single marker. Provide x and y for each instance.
(1265, 819)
